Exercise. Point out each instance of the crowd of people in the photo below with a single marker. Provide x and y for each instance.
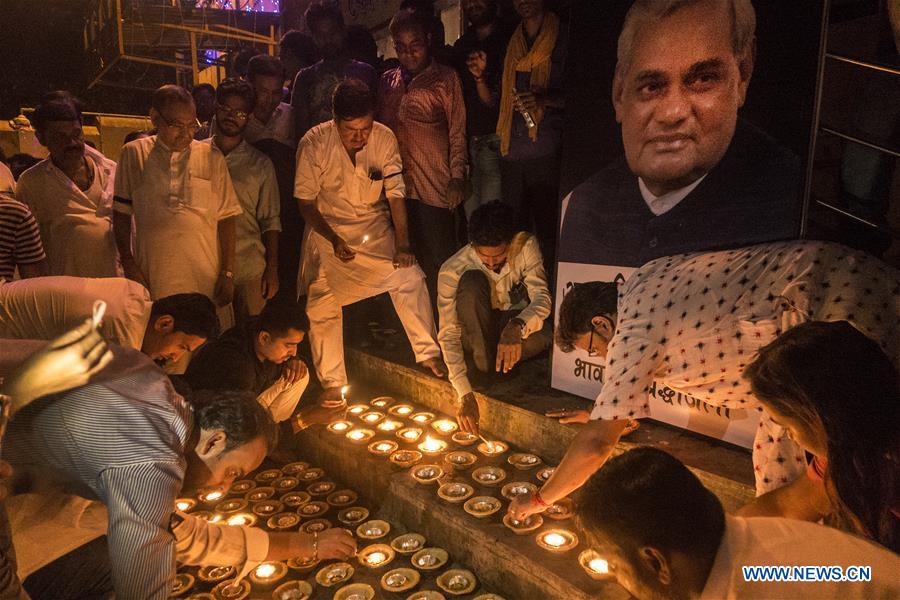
(253, 212)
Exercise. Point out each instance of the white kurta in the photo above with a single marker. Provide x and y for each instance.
(177, 200)
(76, 225)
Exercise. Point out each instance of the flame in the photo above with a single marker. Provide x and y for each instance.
(376, 558)
(265, 570)
(598, 565)
(554, 539)
(431, 445)
(356, 435)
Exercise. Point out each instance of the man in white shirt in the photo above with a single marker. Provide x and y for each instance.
(493, 301)
(352, 251)
(177, 193)
(253, 177)
(665, 536)
(71, 195)
(270, 118)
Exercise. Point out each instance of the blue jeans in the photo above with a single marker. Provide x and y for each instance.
(484, 154)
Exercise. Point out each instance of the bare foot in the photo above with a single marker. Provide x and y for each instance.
(436, 366)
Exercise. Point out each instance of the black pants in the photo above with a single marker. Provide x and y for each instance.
(82, 574)
(531, 187)
(435, 236)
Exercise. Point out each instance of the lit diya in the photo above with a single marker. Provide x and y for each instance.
(382, 402)
(430, 559)
(481, 507)
(294, 468)
(182, 584)
(389, 425)
(376, 556)
(522, 527)
(302, 564)
(296, 499)
(259, 494)
(444, 426)
(340, 426)
(316, 526)
(432, 446)
(231, 506)
(293, 590)
(360, 436)
(342, 498)
(207, 516)
(400, 580)
(185, 504)
(321, 488)
(405, 458)
(242, 519)
(409, 434)
(283, 521)
(557, 540)
(231, 590)
(313, 509)
(401, 410)
(268, 574)
(212, 495)
(241, 487)
(423, 418)
(560, 510)
(268, 508)
(489, 476)
(594, 565)
(268, 476)
(373, 530)
(334, 574)
(311, 474)
(358, 409)
(523, 461)
(455, 492)
(545, 473)
(426, 474)
(285, 484)
(492, 448)
(372, 417)
(457, 582)
(464, 438)
(355, 591)
(212, 574)
(408, 543)
(511, 490)
(383, 448)
(353, 515)
(460, 460)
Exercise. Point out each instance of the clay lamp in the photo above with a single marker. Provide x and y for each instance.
(294, 468)
(560, 510)
(232, 590)
(432, 446)
(376, 556)
(293, 590)
(383, 448)
(182, 584)
(242, 519)
(200, 596)
(207, 516)
(400, 580)
(382, 402)
(353, 515)
(370, 418)
(408, 543)
(259, 494)
(232, 506)
(488, 597)
(334, 574)
(409, 434)
(212, 496)
(285, 484)
(522, 527)
(342, 498)
(405, 458)
(464, 438)
(489, 476)
(455, 492)
(240, 488)
(545, 473)
(321, 488)
(283, 521)
(523, 462)
(594, 565)
(315, 526)
(185, 504)
(423, 418)
(511, 490)
(268, 508)
(311, 474)
(430, 559)
(296, 499)
(457, 582)
(268, 476)
(358, 409)
(426, 595)
(557, 540)
(444, 426)
(340, 427)
(313, 509)
(268, 574)
(211, 574)
(460, 460)
(355, 591)
(389, 425)
(493, 448)
(373, 530)
(302, 564)
(401, 410)
(481, 507)
(427, 474)
(360, 436)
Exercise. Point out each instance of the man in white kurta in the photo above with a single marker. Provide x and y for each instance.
(350, 250)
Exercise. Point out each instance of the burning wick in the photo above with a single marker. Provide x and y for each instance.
(183, 505)
(213, 496)
(365, 239)
(598, 565)
(431, 445)
(384, 447)
(344, 391)
(356, 435)
(376, 558)
(420, 418)
(554, 539)
(265, 570)
(404, 410)
(371, 418)
(389, 425)
(238, 520)
(340, 426)
(445, 426)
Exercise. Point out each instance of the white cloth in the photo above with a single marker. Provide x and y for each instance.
(279, 128)
(43, 308)
(76, 225)
(762, 541)
(177, 200)
(253, 177)
(7, 181)
(659, 205)
(524, 267)
(281, 398)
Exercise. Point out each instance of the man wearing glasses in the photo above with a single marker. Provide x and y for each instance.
(253, 177)
(179, 196)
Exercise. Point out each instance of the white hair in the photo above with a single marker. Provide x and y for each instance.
(741, 12)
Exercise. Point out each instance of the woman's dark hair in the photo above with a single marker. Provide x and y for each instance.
(581, 304)
(194, 314)
(492, 224)
(278, 318)
(632, 500)
(264, 66)
(831, 376)
(352, 99)
(237, 87)
(237, 413)
(320, 11)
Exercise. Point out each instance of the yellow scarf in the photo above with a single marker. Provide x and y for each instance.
(520, 58)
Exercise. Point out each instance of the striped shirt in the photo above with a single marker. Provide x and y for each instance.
(20, 238)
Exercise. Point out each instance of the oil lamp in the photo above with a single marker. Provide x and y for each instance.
(283, 521)
(212, 495)
(268, 574)
(401, 410)
(481, 506)
(400, 580)
(409, 434)
(344, 391)
(211, 574)
(389, 425)
(429, 559)
(241, 487)
(313, 509)
(523, 462)
(268, 508)
(296, 499)
(382, 448)
(423, 418)
(522, 527)
(334, 574)
(311, 474)
(455, 492)
(341, 498)
(231, 506)
(373, 530)
(316, 526)
(355, 591)
(357, 409)
(489, 476)
(372, 417)
(444, 426)
(353, 515)
(426, 474)
(376, 556)
(457, 582)
(268, 476)
(321, 488)
(293, 590)
(339, 426)
(185, 504)
(432, 446)
(464, 438)
(232, 590)
(560, 510)
(594, 565)
(382, 402)
(360, 436)
(259, 494)
(408, 543)
(557, 540)
(182, 584)
(492, 448)
(294, 468)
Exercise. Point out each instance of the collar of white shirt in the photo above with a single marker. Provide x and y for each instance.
(659, 205)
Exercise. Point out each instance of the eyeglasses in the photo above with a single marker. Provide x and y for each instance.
(591, 351)
(232, 112)
(190, 128)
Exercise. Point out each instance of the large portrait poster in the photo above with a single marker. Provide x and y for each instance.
(687, 130)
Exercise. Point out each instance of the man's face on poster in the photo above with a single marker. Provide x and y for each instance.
(678, 95)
